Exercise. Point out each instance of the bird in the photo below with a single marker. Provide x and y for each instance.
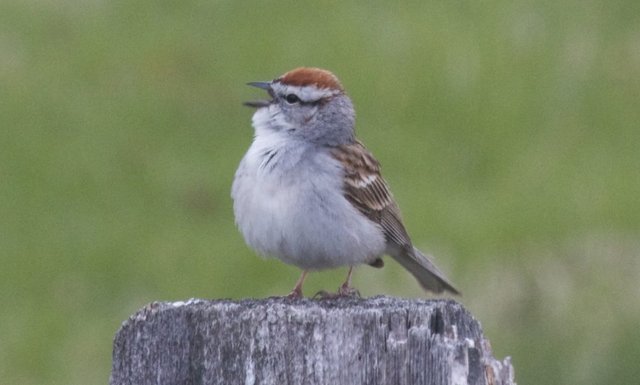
(309, 193)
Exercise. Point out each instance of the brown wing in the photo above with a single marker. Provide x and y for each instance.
(367, 190)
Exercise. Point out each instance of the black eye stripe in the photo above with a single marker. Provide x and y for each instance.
(289, 98)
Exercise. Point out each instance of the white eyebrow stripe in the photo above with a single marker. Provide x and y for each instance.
(309, 93)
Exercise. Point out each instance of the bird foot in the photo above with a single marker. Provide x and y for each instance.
(295, 294)
(348, 291)
(343, 292)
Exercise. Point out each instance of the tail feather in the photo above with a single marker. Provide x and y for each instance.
(427, 274)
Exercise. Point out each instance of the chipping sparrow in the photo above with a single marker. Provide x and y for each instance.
(309, 193)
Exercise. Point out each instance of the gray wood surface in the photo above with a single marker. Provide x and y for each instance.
(379, 340)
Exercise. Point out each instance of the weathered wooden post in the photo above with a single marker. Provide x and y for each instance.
(379, 340)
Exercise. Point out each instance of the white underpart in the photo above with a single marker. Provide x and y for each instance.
(309, 93)
(293, 207)
(269, 117)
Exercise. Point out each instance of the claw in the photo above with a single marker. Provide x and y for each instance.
(348, 291)
(296, 293)
(343, 292)
(323, 294)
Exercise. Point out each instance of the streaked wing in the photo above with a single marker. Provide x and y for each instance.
(367, 190)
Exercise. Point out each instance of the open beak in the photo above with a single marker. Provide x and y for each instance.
(260, 103)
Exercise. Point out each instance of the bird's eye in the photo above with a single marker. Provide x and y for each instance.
(292, 98)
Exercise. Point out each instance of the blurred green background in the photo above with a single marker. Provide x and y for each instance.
(508, 130)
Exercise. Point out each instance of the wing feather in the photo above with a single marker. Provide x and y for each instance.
(367, 190)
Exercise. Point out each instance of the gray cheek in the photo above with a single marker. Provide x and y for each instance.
(309, 115)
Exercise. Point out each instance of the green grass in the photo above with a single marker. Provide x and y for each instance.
(507, 130)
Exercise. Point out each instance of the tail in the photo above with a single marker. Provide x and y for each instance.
(427, 274)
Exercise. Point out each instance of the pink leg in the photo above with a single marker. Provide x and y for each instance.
(346, 289)
(297, 290)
